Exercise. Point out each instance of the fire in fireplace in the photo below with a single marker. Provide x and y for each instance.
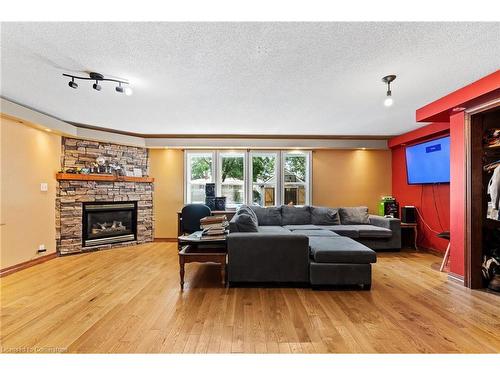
(109, 222)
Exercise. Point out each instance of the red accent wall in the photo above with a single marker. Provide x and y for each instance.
(484, 90)
(432, 201)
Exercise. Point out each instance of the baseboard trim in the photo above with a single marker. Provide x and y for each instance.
(167, 239)
(456, 278)
(29, 263)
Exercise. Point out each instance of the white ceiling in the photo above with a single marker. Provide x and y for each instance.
(244, 78)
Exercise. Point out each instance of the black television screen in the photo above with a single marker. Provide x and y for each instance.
(429, 162)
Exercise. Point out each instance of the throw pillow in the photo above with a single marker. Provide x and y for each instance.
(291, 215)
(245, 223)
(267, 216)
(244, 209)
(325, 216)
(354, 215)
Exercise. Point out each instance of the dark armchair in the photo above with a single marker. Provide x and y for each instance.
(191, 215)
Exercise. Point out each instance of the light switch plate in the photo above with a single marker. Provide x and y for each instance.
(44, 186)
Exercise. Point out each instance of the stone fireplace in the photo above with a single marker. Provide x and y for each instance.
(96, 212)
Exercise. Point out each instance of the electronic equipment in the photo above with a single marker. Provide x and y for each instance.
(388, 207)
(408, 214)
(428, 162)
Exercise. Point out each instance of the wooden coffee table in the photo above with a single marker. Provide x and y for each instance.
(197, 249)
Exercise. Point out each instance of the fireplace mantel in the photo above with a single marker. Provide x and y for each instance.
(100, 177)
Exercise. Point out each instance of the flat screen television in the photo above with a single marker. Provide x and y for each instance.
(429, 162)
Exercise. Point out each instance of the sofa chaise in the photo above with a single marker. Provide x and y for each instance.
(319, 246)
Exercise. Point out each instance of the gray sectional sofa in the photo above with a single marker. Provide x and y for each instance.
(319, 246)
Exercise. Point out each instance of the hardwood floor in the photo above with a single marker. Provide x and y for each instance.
(128, 300)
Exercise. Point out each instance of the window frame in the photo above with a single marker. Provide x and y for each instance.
(280, 155)
(277, 172)
(187, 170)
(218, 183)
(308, 177)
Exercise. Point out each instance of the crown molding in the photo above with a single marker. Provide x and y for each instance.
(37, 119)
(234, 136)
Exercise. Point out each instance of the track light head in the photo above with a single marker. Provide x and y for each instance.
(72, 84)
(96, 86)
(124, 90)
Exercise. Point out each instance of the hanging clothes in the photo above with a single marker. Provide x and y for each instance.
(494, 192)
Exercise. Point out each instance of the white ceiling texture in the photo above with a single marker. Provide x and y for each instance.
(244, 78)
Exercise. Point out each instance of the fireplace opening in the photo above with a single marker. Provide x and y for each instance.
(109, 222)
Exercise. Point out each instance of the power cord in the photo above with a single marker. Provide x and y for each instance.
(435, 207)
(423, 221)
(420, 214)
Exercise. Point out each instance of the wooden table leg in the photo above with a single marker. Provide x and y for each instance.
(223, 273)
(415, 230)
(181, 270)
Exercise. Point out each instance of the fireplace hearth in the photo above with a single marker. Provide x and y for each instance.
(109, 222)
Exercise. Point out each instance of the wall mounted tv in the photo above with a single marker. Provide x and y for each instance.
(429, 162)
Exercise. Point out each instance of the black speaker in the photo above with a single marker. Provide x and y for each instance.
(408, 214)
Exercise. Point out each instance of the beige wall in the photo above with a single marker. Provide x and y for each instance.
(351, 177)
(167, 167)
(28, 157)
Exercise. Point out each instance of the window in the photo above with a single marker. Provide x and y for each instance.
(231, 179)
(264, 178)
(296, 178)
(199, 168)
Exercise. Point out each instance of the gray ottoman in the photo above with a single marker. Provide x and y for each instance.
(339, 261)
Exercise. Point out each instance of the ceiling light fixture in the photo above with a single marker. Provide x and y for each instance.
(98, 78)
(389, 101)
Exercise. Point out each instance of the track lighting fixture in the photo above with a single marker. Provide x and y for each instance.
(98, 78)
(389, 101)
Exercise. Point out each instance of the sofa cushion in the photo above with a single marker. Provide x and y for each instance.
(247, 210)
(299, 227)
(244, 223)
(272, 229)
(291, 215)
(268, 215)
(371, 231)
(354, 215)
(343, 230)
(316, 232)
(324, 216)
(340, 250)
